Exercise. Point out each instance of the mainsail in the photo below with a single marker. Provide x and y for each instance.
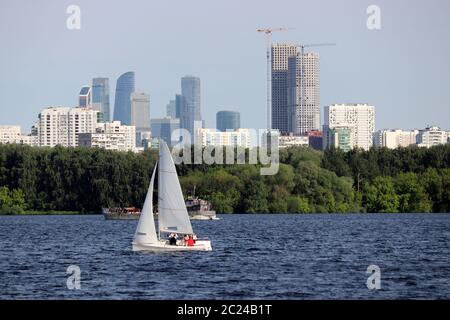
(146, 231)
(173, 215)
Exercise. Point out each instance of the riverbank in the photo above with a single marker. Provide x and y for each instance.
(61, 213)
(48, 213)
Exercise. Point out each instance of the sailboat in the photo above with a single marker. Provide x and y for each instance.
(173, 216)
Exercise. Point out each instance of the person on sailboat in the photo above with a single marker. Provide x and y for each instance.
(173, 239)
(190, 242)
(194, 237)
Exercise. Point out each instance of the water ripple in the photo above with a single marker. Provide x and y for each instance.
(254, 257)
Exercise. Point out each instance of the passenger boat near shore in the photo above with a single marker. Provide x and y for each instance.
(198, 209)
(118, 213)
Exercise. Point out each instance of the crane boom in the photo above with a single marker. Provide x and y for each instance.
(303, 46)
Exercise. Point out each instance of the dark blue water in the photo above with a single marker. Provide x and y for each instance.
(254, 257)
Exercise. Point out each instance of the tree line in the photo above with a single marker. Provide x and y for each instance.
(86, 179)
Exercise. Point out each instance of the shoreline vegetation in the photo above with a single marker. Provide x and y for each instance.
(82, 180)
(77, 213)
(44, 213)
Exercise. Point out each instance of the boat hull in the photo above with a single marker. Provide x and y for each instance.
(112, 216)
(202, 215)
(163, 246)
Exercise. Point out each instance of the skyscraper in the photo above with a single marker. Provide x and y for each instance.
(140, 111)
(163, 128)
(228, 120)
(122, 103)
(190, 117)
(352, 125)
(100, 97)
(171, 109)
(178, 104)
(140, 115)
(84, 98)
(303, 93)
(280, 54)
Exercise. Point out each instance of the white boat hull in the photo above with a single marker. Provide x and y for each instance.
(163, 246)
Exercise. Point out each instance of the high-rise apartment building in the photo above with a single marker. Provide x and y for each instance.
(100, 98)
(356, 120)
(279, 82)
(212, 137)
(110, 136)
(9, 134)
(431, 136)
(303, 93)
(122, 104)
(13, 134)
(393, 139)
(291, 140)
(61, 125)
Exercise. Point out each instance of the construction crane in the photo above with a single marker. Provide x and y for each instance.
(303, 46)
(268, 32)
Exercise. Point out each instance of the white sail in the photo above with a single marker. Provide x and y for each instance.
(173, 215)
(146, 231)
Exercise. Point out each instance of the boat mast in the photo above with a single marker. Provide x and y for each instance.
(159, 188)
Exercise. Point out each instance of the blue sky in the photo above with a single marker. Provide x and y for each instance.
(403, 69)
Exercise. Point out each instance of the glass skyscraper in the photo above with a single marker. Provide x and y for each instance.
(100, 97)
(84, 98)
(122, 103)
(190, 117)
(163, 128)
(228, 120)
(178, 104)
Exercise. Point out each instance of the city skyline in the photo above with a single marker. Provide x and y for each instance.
(379, 67)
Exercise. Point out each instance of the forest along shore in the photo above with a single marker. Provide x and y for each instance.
(83, 180)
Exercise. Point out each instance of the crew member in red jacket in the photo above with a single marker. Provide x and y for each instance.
(190, 241)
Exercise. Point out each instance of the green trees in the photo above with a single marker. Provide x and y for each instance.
(437, 185)
(11, 202)
(412, 194)
(75, 179)
(296, 204)
(380, 180)
(380, 196)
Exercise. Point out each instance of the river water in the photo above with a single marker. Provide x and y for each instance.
(254, 257)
